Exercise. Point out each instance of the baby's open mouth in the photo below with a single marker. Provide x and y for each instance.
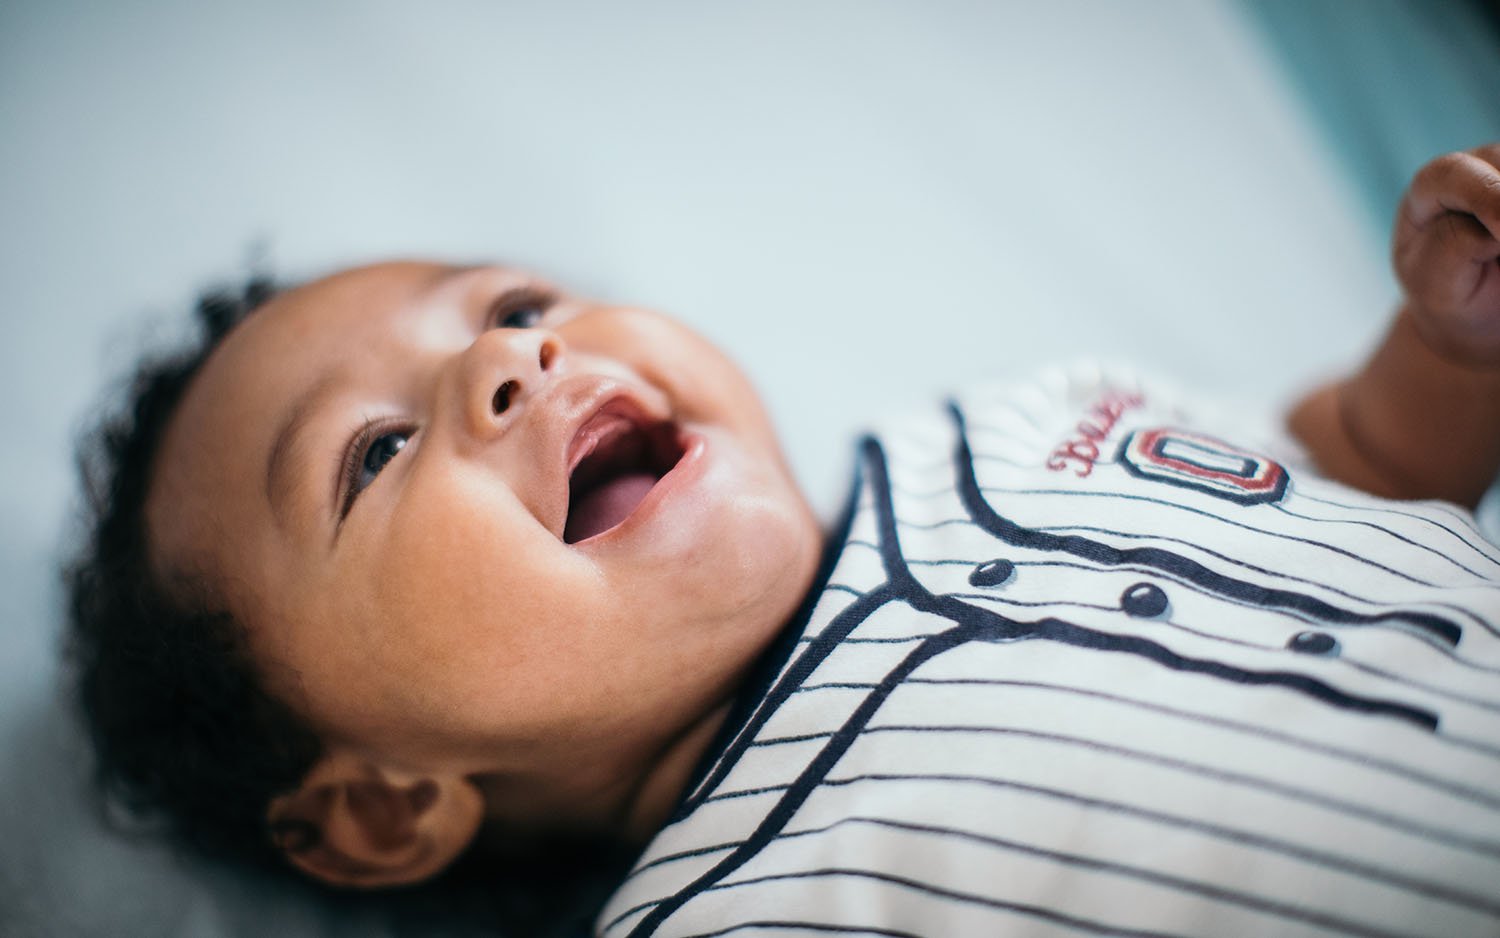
(618, 455)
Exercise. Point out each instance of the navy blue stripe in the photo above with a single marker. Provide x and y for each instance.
(1473, 745)
(807, 662)
(1363, 759)
(1058, 630)
(816, 770)
(1267, 786)
(1053, 603)
(1034, 911)
(841, 588)
(1388, 533)
(1345, 659)
(992, 626)
(1427, 889)
(984, 515)
(1069, 603)
(1451, 654)
(746, 716)
(1002, 628)
(664, 859)
(1437, 691)
(1249, 527)
(1442, 626)
(972, 623)
(1282, 535)
(1162, 622)
(1246, 838)
(1431, 889)
(873, 462)
(1045, 913)
(1482, 547)
(1326, 587)
(887, 640)
(1046, 530)
(808, 926)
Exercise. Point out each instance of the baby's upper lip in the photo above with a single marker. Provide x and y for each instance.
(614, 415)
(592, 408)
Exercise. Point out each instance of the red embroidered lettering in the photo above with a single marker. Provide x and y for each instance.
(1082, 450)
(1099, 420)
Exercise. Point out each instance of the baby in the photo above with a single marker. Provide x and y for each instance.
(416, 557)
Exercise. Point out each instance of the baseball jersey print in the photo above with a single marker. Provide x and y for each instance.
(1087, 664)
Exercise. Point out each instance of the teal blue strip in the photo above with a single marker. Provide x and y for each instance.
(1391, 83)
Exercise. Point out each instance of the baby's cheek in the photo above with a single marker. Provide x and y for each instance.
(475, 613)
(704, 383)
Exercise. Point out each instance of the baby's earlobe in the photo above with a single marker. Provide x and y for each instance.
(350, 824)
(423, 795)
(294, 835)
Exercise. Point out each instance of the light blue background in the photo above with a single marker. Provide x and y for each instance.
(867, 202)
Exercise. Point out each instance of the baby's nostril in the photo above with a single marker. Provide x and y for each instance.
(503, 393)
(545, 355)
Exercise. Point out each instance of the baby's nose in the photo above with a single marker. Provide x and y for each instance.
(511, 387)
(501, 370)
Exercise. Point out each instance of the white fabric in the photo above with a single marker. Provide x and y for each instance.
(954, 755)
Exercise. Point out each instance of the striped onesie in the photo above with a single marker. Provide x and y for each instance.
(1082, 665)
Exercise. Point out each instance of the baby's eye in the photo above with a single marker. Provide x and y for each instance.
(381, 451)
(520, 309)
(370, 456)
(523, 318)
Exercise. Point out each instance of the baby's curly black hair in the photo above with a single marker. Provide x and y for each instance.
(182, 729)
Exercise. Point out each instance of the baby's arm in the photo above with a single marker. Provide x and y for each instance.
(1422, 418)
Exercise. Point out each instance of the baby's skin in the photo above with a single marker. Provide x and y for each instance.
(509, 551)
(1422, 418)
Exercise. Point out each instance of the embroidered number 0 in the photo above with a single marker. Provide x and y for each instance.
(1203, 463)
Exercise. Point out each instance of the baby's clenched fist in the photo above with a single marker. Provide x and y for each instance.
(1447, 255)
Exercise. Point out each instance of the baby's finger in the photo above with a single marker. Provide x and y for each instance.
(1468, 183)
(1451, 277)
(1448, 254)
(1490, 153)
(1450, 248)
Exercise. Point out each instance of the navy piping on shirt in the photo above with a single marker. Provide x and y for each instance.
(972, 623)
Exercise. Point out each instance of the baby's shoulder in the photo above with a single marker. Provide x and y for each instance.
(1068, 418)
(1105, 444)
(1078, 405)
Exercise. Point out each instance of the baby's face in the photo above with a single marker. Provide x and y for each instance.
(473, 524)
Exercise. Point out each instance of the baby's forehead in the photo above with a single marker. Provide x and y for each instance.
(369, 287)
(280, 353)
(333, 313)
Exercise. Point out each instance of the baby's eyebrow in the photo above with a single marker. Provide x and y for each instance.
(288, 443)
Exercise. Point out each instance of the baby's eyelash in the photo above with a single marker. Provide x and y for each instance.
(517, 299)
(354, 453)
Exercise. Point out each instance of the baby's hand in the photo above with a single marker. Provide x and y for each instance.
(1447, 255)
(1421, 419)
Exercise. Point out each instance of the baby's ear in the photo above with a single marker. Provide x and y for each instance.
(353, 824)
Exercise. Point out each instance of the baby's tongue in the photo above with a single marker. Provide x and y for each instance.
(606, 506)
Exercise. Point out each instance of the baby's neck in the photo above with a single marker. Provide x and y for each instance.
(658, 791)
(597, 797)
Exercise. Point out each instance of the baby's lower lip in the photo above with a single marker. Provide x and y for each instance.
(680, 474)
